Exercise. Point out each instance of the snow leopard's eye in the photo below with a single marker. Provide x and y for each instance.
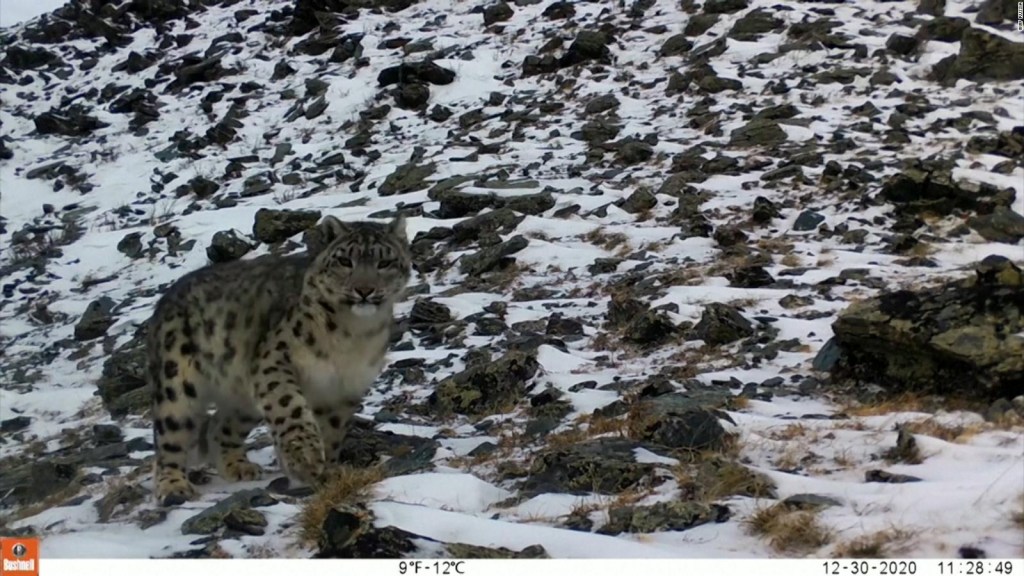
(343, 261)
(384, 264)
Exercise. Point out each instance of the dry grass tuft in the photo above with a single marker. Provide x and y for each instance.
(788, 530)
(348, 486)
(884, 544)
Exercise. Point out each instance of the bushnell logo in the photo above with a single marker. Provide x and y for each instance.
(19, 557)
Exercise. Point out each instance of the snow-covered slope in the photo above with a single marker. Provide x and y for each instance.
(672, 154)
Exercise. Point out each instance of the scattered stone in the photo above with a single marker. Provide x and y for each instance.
(758, 133)
(131, 245)
(932, 189)
(349, 531)
(492, 257)
(500, 12)
(458, 550)
(807, 221)
(942, 340)
(97, 318)
(1002, 225)
(884, 477)
(407, 178)
(604, 466)
(810, 502)
(671, 421)
(364, 446)
(213, 519)
(34, 482)
(16, 424)
(72, 121)
(755, 24)
(676, 46)
(721, 324)
(272, 226)
(983, 57)
(226, 246)
(426, 72)
(486, 389)
(639, 201)
(662, 517)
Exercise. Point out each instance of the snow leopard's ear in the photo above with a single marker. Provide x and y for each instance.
(330, 229)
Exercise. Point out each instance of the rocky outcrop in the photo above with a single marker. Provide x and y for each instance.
(961, 339)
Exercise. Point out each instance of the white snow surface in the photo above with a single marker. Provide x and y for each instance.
(971, 485)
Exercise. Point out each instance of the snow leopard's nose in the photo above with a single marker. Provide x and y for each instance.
(364, 293)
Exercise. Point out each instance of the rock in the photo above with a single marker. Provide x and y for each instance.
(997, 11)
(902, 44)
(941, 340)
(559, 10)
(491, 257)
(807, 221)
(764, 211)
(536, 65)
(16, 424)
(131, 245)
(931, 7)
(500, 12)
(662, 517)
(758, 133)
(412, 96)
(200, 186)
(725, 6)
(676, 46)
(983, 57)
(122, 383)
(601, 104)
(500, 221)
(96, 319)
(426, 72)
(28, 58)
(944, 29)
(226, 246)
(1002, 225)
(271, 226)
(458, 550)
(213, 519)
(750, 276)
(670, 421)
(72, 121)
(34, 482)
(486, 389)
(634, 152)
(721, 324)
(755, 24)
(650, 330)
(407, 178)
(925, 189)
(349, 531)
(810, 502)
(587, 47)
(888, 477)
(639, 201)
(364, 446)
(603, 465)
(120, 501)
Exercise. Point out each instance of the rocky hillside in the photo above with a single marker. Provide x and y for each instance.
(698, 278)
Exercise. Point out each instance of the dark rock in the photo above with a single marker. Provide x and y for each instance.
(34, 482)
(97, 318)
(16, 424)
(604, 466)
(764, 211)
(122, 383)
(536, 65)
(810, 502)
(944, 29)
(72, 121)
(650, 329)
(212, 519)
(486, 389)
(902, 44)
(754, 24)
(107, 434)
(588, 46)
(672, 422)
(750, 276)
(271, 226)
(931, 7)
(639, 201)
(226, 246)
(559, 10)
(412, 96)
(888, 477)
(661, 517)
(1002, 225)
(758, 133)
(725, 6)
(721, 324)
(459, 550)
(416, 72)
(676, 46)
(944, 340)
(491, 257)
(927, 189)
(131, 245)
(634, 152)
(807, 221)
(500, 12)
(983, 57)
(994, 12)
(349, 531)
(601, 104)
(407, 178)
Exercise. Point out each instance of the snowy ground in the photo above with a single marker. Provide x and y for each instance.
(971, 485)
